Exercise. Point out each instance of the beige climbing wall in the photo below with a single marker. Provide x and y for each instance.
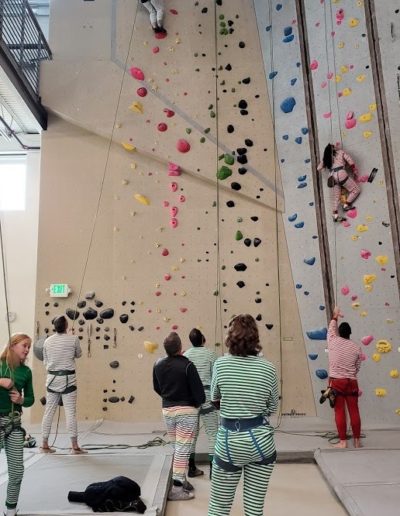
(105, 170)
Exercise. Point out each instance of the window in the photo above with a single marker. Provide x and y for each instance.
(12, 184)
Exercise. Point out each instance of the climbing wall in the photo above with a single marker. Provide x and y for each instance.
(344, 108)
(167, 144)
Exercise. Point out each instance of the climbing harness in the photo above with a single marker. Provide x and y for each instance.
(63, 372)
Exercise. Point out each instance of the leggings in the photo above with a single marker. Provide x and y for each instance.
(182, 425)
(350, 185)
(69, 402)
(14, 447)
(347, 395)
(239, 449)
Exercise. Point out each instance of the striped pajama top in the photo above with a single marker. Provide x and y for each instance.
(344, 354)
(59, 353)
(203, 359)
(246, 386)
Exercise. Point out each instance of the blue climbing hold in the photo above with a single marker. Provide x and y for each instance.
(321, 373)
(309, 261)
(306, 293)
(288, 104)
(321, 307)
(304, 130)
(298, 285)
(299, 225)
(314, 237)
(272, 75)
(293, 81)
(288, 39)
(302, 178)
(311, 203)
(298, 64)
(287, 31)
(307, 160)
(319, 334)
(285, 137)
(302, 185)
(292, 218)
(268, 28)
(298, 140)
(278, 7)
(313, 356)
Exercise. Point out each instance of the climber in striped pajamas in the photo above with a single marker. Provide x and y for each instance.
(16, 391)
(203, 359)
(245, 387)
(176, 380)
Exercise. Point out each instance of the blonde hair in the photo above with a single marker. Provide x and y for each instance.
(8, 354)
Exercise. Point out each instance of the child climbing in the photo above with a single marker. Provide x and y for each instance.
(156, 10)
(335, 160)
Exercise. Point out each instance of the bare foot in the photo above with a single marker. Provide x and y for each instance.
(46, 449)
(340, 444)
(78, 451)
(357, 443)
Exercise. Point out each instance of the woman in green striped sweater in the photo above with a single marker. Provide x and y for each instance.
(245, 387)
(16, 391)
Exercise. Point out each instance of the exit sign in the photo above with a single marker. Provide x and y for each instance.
(59, 290)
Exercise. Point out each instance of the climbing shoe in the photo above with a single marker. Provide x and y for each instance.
(177, 494)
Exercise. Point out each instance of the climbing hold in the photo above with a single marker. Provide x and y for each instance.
(313, 356)
(113, 399)
(137, 73)
(165, 252)
(318, 334)
(240, 284)
(239, 235)
(182, 198)
(298, 140)
(353, 22)
(367, 340)
(162, 127)
(321, 373)
(108, 313)
(230, 204)
(169, 113)
(240, 267)
(90, 295)
(80, 304)
(256, 242)
(150, 346)
(376, 357)
(299, 225)
(236, 186)
(345, 290)
(174, 169)
(380, 392)
(361, 228)
(124, 318)
(368, 279)
(89, 314)
(72, 314)
(366, 117)
(383, 346)
(167, 277)
(128, 147)
(314, 64)
(382, 260)
(269, 326)
(394, 373)
(288, 105)
(136, 107)
(309, 261)
(339, 16)
(223, 173)
(114, 364)
(142, 92)
(272, 75)
(173, 211)
(365, 254)
(173, 222)
(173, 186)
(292, 218)
(247, 242)
(242, 104)
(142, 199)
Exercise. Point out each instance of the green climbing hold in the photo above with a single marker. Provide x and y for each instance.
(217, 344)
(215, 293)
(223, 173)
(221, 156)
(221, 17)
(202, 139)
(223, 267)
(229, 159)
(239, 219)
(214, 204)
(188, 130)
(239, 235)
(212, 114)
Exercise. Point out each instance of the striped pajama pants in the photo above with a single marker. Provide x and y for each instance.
(210, 422)
(13, 444)
(350, 185)
(182, 426)
(69, 402)
(239, 449)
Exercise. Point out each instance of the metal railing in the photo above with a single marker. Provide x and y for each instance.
(21, 34)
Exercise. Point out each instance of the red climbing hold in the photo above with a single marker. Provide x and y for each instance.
(156, 50)
(165, 252)
(174, 169)
(162, 127)
(137, 73)
(169, 112)
(167, 277)
(173, 11)
(183, 145)
(160, 35)
(142, 92)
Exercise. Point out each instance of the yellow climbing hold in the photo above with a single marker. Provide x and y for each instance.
(376, 357)
(360, 78)
(367, 134)
(382, 260)
(372, 107)
(398, 411)
(380, 392)
(136, 107)
(369, 218)
(133, 166)
(338, 78)
(394, 373)
(368, 288)
(128, 147)
(369, 279)
(142, 199)
(346, 92)
(340, 44)
(383, 346)
(355, 305)
(353, 22)
(363, 314)
(344, 69)
(150, 346)
(361, 228)
(365, 117)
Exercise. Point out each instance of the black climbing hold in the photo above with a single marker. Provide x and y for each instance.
(132, 311)
(81, 322)
(242, 171)
(114, 364)
(123, 303)
(254, 219)
(90, 295)
(257, 242)
(47, 312)
(56, 305)
(107, 337)
(242, 159)
(230, 204)
(258, 300)
(100, 320)
(141, 328)
(218, 2)
(228, 67)
(131, 399)
(242, 104)
(230, 128)
(240, 284)
(107, 313)
(242, 44)
(80, 330)
(248, 142)
(124, 318)
(72, 314)
(113, 399)
(241, 150)
(89, 314)
(122, 398)
(47, 304)
(81, 304)
(269, 326)
(204, 10)
(259, 317)
(246, 80)
(46, 330)
(132, 328)
(132, 303)
(244, 112)
(247, 242)
(98, 303)
(106, 328)
(236, 186)
(240, 267)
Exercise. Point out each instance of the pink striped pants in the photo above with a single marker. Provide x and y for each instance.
(350, 185)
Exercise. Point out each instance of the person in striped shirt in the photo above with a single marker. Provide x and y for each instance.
(245, 387)
(59, 354)
(16, 391)
(344, 364)
(203, 358)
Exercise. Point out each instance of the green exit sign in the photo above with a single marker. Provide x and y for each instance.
(59, 290)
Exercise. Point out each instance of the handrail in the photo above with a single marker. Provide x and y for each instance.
(21, 34)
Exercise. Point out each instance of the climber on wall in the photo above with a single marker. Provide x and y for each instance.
(335, 160)
(156, 10)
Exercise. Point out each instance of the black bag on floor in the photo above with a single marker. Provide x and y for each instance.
(120, 494)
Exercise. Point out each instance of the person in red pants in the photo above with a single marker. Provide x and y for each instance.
(344, 364)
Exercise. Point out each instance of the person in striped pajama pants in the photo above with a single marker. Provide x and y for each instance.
(16, 391)
(177, 381)
(156, 12)
(203, 359)
(59, 354)
(245, 387)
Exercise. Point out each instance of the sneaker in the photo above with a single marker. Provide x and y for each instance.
(187, 486)
(177, 494)
(348, 207)
(195, 472)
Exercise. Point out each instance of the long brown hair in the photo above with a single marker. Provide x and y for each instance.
(8, 354)
(243, 339)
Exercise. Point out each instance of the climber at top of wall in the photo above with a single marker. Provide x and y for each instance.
(335, 161)
(156, 10)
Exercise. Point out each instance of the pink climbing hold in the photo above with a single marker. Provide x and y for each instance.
(345, 290)
(183, 310)
(182, 198)
(327, 115)
(160, 35)
(167, 277)
(173, 223)
(329, 75)
(354, 298)
(314, 64)
(345, 224)
(183, 145)
(162, 127)
(324, 84)
(165, 204)
(165, 252)
(367, 340)
(137, 73)
(173, 186)
(365, 254)
(174, 169)
(169, 112)
(142, 92)
(363, 357)
(352, 213)
(158, 293)
(174, 211)
(339, 16)
(174, 327)
(156, 50)
(352, 122)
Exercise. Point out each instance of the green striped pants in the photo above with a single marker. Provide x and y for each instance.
(245, 450)
(13, 444)
(208, 415)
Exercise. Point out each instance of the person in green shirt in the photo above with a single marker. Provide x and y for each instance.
(16, 391)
